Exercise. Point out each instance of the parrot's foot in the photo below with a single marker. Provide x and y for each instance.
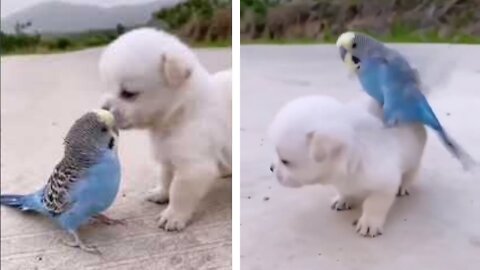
(390, 123)
(171, 220)
(100, 218)
(341, 203)
(158, 195)
(77, 243)
(403, 191)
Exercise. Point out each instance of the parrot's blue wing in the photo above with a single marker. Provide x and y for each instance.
(405, 103)
(433, 66)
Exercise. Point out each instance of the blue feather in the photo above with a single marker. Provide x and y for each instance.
(92, 194)
(84, 183)
(31, 202)
(88, 196)
(394, 85)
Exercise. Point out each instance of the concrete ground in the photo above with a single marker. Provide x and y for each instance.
(41, 96)
(436, 227)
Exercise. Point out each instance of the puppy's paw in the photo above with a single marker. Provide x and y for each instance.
(341, 203)
(158, 195)
(368, 226)
(402, 191)
(171, 220)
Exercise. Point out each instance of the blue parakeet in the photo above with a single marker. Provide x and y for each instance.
(388, 77)
(84, 183)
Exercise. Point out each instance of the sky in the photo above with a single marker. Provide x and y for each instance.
(10, 6)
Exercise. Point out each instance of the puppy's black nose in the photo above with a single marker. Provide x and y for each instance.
(272, 168)
(106, 107)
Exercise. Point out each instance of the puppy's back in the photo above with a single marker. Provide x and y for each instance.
(303, 114)
(223, 83)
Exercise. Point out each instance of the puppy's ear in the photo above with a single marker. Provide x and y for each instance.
(175, 70)
(323, 146)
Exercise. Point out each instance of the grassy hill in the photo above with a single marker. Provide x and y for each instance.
(390, 20)
(198, 22)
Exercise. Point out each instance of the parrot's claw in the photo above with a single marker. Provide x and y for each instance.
(106, 220)
(89, 249)
(391, 123)
(77, 243)
(402, 191)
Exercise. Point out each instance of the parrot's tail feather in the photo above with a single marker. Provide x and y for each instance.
(20, 202)
(467, 161)
(15, 201)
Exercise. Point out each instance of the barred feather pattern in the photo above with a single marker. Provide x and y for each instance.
(56, 192)
(82, 148)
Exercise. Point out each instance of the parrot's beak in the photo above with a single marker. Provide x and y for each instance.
(343, 52)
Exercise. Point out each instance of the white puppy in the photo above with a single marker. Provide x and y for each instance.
(321, 141)
(161, 86)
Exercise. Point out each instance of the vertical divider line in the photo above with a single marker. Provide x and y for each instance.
(236, 134)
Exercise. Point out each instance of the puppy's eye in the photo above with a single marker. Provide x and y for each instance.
(128, 95)
(104, 129)
(285, 162)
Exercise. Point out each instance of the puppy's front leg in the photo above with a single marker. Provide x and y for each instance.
(374, 213)
(160, 193)
(190, 185)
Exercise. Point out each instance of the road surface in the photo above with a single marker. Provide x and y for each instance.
(41, 97)
(436, 227)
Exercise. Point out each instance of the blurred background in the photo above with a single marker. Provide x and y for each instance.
(304, 21)
(42, 26)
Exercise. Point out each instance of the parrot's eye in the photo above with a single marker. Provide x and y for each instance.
(128, 95)
(285, 162)
(104, 129)
(354, 45)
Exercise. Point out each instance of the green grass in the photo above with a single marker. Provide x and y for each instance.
(395, 37)
(399, 34)
(44, 49)
(212, 44)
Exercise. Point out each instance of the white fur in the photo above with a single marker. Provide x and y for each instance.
(186, 110)
(347, 146)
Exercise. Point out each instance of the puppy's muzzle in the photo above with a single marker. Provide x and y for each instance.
(107, 106)
(119, 119)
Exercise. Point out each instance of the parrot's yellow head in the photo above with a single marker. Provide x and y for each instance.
(108, 119)
(105, 117)
(91, 135)
(347, 45)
